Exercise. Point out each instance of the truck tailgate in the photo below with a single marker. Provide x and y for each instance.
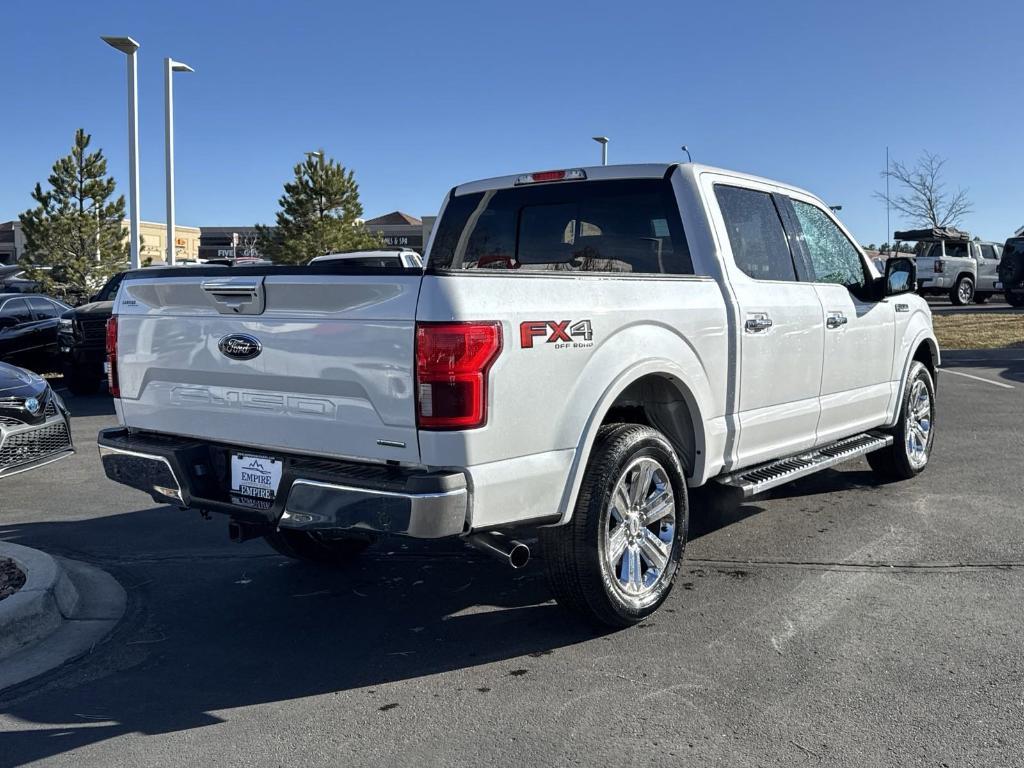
(332, 376)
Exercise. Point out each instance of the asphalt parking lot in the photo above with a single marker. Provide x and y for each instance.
(943, 306)
(837, 622)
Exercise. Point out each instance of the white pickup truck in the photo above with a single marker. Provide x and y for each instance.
(582, 346)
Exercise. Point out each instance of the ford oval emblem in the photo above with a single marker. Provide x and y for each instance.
(240, 346)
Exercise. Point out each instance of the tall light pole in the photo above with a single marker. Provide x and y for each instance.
(603, 141)
(128, 47)
(170, 67)
(888, 225)
(687, 151)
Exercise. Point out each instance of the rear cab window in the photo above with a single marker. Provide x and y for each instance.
(629, 226)
(954, 250)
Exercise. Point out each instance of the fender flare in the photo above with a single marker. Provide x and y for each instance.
(650, 366)
(925, 336)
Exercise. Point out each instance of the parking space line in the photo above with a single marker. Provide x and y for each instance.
(978, 378)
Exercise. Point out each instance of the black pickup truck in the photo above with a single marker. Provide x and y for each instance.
(82, 340)
(1011, 271)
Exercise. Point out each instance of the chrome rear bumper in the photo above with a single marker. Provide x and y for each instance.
(336, 496)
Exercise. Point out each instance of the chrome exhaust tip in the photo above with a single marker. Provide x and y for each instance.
(509, 551)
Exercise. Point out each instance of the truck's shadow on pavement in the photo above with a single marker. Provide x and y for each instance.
(213, 626)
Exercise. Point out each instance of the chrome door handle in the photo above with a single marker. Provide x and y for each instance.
(758, 322)
(835, 320)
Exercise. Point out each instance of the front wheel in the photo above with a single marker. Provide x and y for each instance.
(1015, 299)
(616, 560)
(962, 292)
(914, 434)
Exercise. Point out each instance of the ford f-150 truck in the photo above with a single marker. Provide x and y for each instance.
(582, 347)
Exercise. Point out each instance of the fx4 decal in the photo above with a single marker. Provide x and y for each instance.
(564, 334)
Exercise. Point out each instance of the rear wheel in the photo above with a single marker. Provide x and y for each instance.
(962, 292)
(316, 547)
(616, 560)
(914, 434)
(1015, 299)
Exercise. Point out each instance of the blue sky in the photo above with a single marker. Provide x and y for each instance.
(416, 97)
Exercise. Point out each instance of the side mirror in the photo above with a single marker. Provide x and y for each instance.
(900, 276)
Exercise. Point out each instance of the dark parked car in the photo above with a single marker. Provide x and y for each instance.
(82, 339)
(13, 280)
(35, 425)
(1011, 271)
(28, 328)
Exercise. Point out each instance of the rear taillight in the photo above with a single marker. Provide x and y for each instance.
(112, 383)
(938, 265)
(452, 362)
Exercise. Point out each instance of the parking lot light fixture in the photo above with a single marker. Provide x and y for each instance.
(170, 67)
(129, 47)
(603, 141)
(685, 149)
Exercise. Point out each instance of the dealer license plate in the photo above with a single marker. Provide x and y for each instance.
(255, 476)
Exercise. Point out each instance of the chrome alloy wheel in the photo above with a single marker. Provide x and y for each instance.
(639, 530)
(919, 423)
(965, 291)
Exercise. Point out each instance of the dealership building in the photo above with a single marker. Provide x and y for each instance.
(398, 230)
(153, 249)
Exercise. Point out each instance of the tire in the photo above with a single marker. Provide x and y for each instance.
(315, 548)
(981, 298)
(583, 573)
(82, 382)
(905, 459)
(1015, 299)
(962, 292)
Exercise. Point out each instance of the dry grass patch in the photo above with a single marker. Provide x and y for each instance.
(982, 330)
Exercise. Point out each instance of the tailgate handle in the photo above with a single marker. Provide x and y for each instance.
(236, 295)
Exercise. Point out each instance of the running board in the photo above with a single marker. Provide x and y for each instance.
(754, 480)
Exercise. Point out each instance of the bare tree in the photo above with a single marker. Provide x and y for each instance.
(250, 240)
(923, 198)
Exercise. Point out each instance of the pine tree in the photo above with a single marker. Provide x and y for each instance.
(319, 214)
(74, 237)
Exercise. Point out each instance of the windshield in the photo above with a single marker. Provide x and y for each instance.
(394, 262)
(109, 291)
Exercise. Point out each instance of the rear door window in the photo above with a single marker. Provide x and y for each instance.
(627, 226)
(987, 251)
(759, 244)
(43, 308)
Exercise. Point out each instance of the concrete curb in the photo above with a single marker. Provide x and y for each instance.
(63, 610)
(39, 607)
